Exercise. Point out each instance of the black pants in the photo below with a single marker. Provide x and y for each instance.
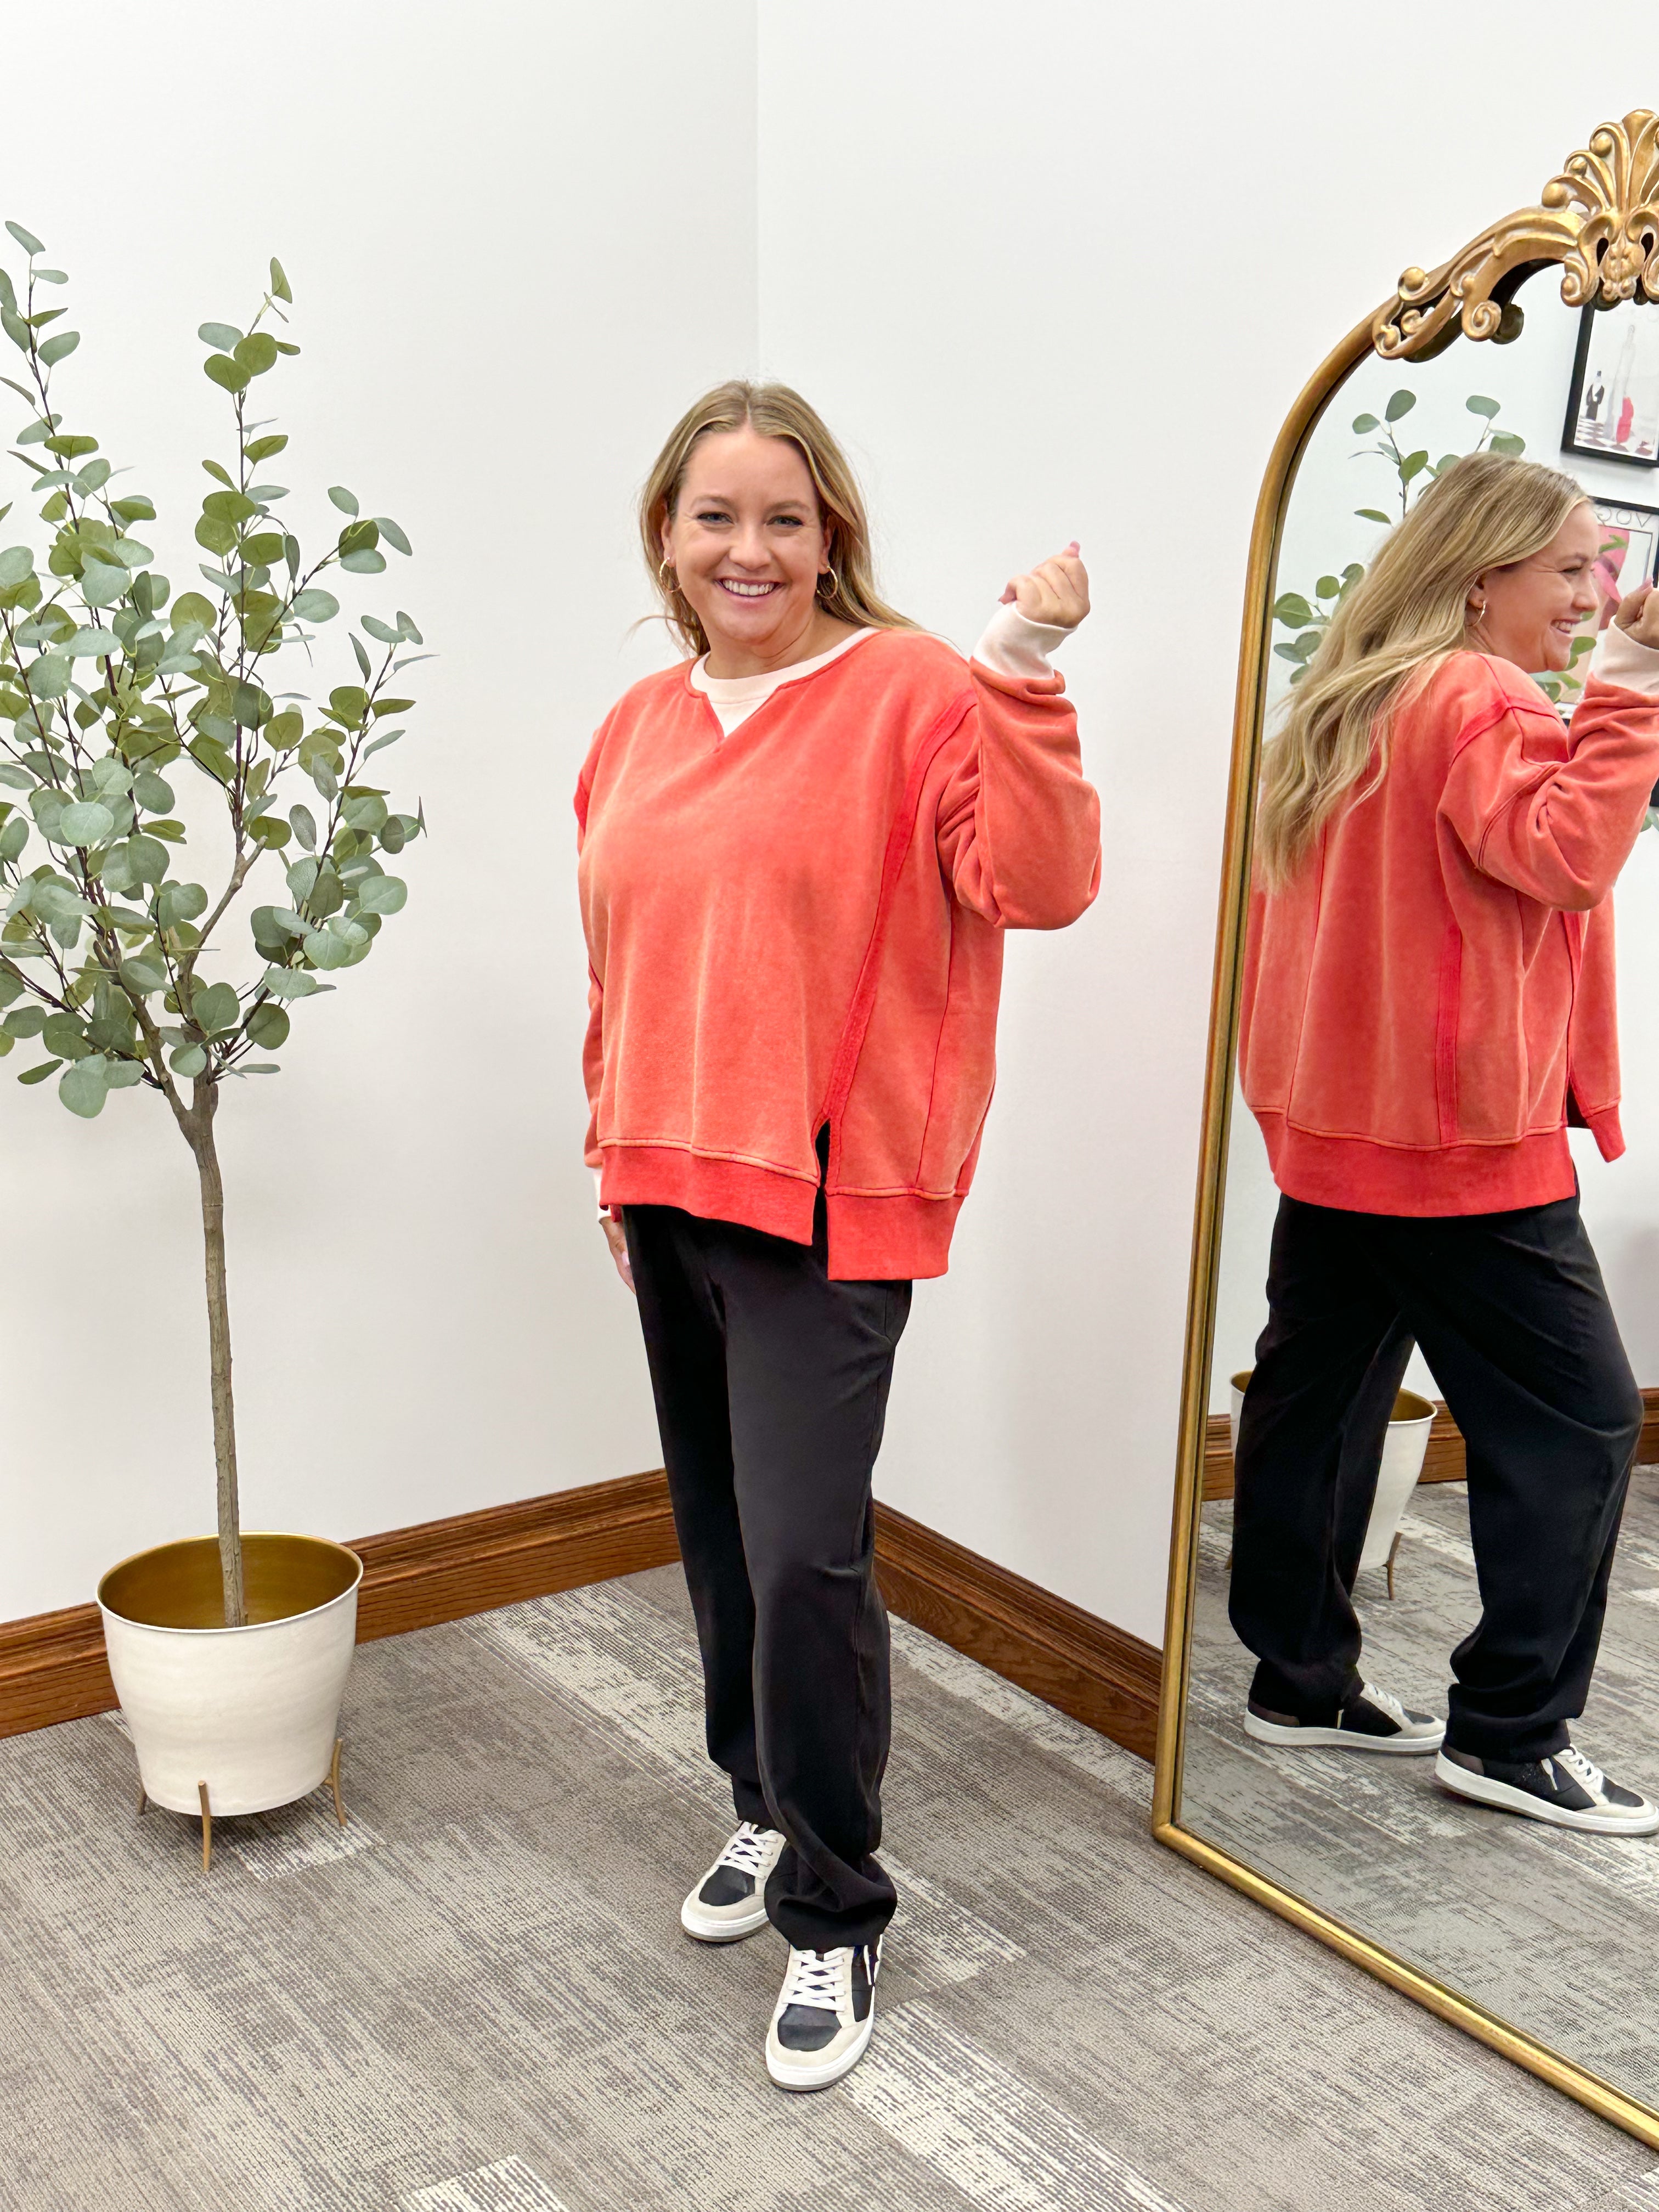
(1513, 1318)
(771, 1388)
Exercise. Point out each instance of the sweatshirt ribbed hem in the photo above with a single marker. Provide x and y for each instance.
(906, 1238)
(713, 1190)
(1355, 1176)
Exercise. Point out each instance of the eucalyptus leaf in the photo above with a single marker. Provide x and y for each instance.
(1402, 403)
(85, 1086)
(26, 238)
(392, 535)
(291, 983)
(101, 585)
(345, 501)
(364, 561)
(314, 606)
(383, 894)
(304, 824)
(88, 822)
(189, 1059)
(1478, 405)
(40, 1074)
(215, 1008)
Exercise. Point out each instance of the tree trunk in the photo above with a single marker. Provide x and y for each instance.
(199, 1130)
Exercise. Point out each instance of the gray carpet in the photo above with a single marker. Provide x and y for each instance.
(1556, 1933)
(477, 1999)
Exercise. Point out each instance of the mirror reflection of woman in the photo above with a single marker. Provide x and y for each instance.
(800, 849)
(1428, 1002)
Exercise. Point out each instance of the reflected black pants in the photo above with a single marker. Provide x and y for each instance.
(771, 1388)
(1513, 1319)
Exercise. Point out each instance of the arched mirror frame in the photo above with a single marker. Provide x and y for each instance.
(1599, 220)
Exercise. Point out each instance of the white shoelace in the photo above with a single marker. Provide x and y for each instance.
(816, 1978)
(747, 1850)
(1587, 1777)
(1384, 1702)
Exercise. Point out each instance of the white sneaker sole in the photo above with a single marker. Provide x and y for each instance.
(1503, 1797)
(1336, 1738)
(789, 2072)
(704, 1926)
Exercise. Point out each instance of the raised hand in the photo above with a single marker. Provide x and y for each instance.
(1639, 613)
(1054, 593)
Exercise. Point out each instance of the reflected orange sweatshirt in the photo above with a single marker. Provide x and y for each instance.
(801, 923)
(1431, 997)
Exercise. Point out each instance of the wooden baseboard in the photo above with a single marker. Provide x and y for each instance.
(1099, 1673)
(1443, 1463)
(53, 1667)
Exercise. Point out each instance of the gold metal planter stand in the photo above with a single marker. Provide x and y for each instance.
(207, 1804)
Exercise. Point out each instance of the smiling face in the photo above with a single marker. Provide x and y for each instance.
(1532, 608)
(747, 543)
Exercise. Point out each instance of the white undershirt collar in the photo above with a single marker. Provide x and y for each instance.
(734, 698)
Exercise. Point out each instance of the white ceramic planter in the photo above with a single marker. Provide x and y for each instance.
(1403, 1452)
(252, 1712)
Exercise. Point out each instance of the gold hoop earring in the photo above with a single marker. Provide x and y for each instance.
(829, 584)
(665, 568)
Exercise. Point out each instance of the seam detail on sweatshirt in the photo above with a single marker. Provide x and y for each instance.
(1446, 1014)
(844, 1065)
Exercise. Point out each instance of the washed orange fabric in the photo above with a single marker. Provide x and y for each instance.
(802, 923)
(1431, 998)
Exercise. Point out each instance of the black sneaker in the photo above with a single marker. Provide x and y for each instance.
(1371, 1720)
(730, 1901)
(821, 2028)
(1565, 1790)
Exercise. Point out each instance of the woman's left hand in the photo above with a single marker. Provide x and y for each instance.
(1056, 593)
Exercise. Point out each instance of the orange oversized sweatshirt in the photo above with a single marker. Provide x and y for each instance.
(1430, 1000)
(801, 923)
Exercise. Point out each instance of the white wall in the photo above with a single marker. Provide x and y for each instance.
(501, 304)
(1049, 273)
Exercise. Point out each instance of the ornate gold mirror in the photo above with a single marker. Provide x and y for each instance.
(1541, 336)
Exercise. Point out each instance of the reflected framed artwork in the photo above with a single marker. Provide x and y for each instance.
(1613, 407)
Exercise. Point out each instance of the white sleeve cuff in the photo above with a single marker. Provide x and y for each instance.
(1013, 645)
(1618, 658)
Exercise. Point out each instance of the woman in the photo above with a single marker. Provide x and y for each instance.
(1428, 1002)
(799, 850)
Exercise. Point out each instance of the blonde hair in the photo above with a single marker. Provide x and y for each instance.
(771, 410)
(1387, 637)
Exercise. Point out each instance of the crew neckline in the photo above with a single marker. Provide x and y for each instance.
(739, 690)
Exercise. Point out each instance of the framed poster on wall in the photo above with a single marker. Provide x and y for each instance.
(1613, 407)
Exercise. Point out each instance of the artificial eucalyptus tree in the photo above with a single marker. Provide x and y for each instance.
(110, 688)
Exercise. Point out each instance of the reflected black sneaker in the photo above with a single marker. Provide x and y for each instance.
(1371, 1720)
(730, 1901)
(1565, 1790)
(822, 2026)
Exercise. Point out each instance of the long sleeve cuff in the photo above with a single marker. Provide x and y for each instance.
(1618, 658)
(1013, 645)
(598, 1174)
